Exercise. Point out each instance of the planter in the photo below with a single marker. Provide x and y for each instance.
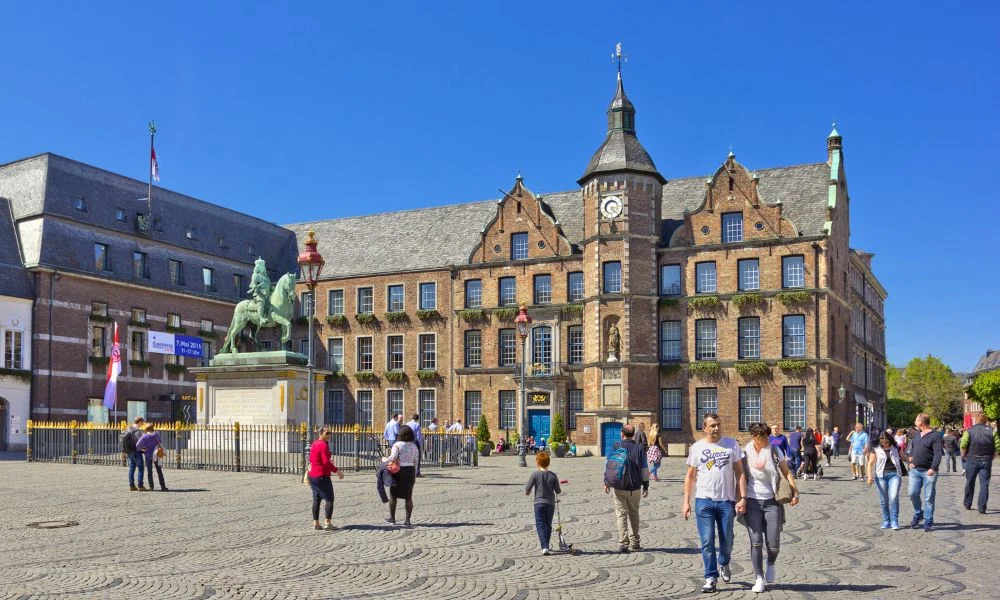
(485, 448)
(428, 314)
(394, 316)
(472, 315)
(365, 318)
(336, 320)
(792, 298)
(704, 302)
(505, 314)
(560, 450)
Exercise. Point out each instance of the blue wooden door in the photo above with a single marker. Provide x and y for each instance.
(539, 425)
(610, 433)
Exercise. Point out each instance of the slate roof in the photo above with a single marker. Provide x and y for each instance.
(444, 236)
(988, 362)
(621, 151)
(14, 278)
(43, 189)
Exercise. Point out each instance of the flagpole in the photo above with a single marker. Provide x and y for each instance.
(149, 195)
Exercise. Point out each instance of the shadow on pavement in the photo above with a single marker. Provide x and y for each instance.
(831, 587)
(13, 456)
(183, 491)
(386, 526)
(966, 526)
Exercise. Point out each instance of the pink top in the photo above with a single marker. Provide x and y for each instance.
(320, 463)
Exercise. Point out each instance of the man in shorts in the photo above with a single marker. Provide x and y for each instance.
(858, 440)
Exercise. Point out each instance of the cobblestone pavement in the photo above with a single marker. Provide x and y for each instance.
(231, 535)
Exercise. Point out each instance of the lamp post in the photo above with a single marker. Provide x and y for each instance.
(842, 394)
(310, 265)
(523, 321)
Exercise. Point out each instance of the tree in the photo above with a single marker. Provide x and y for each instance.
(985, 390)
(900, 413)
(894, 382)
(558, 434)
(931, 385)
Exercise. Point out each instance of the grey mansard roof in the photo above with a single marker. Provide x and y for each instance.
(987, 362)
(14, 278)
(444, 236)
(42, 191)
(621, 151)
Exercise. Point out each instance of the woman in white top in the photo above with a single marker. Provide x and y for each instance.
(406, 452)
(828, 446)
(764, 468)
(885, 470)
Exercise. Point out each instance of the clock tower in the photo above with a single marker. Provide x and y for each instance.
(622, 191)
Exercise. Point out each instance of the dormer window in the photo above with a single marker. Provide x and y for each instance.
(732, 227)
(222, 242)
(120, 215)
(251, 250)
(80, 204)
(190, 234)
(518, 246)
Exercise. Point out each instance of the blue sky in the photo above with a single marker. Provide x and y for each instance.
(339, 109)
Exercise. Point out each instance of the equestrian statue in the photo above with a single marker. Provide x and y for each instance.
(267, 307)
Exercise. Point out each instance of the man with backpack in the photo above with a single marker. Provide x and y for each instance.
(129, 440)
(627, 472)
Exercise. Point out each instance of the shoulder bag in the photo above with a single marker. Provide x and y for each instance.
(782, 495)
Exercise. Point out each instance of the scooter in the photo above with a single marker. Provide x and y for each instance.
(564, 546)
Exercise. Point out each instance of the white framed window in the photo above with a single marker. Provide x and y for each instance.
(173, 320)
(518, 246)
(136, 408)
(395, 300)
(304, 347)
(102, 257)
(473, 293)
(749, 337)
(508, 347)
(393, 403)
(543, 289)
(365, 351)
(176, 272)
(473, 348)
(793, 271)
(137, 349)
(705, 339)
(574, 347)
(612, 277)
(794, 407)
(428, 351)
(394, 352)
(704, 273)
(574, 287)
(508, 409)
(575, 406)
(749, 274)
(238, 290)
(541, 348)
(140, 265)
(428, 296)
(333, 409)
(98, 341)
(508, 291)
(706, 401)
(96, 412)
(306, 304)
(335, 354)
(749, 407)
(366, 300)
(13, 350)
(99, 309)
(207, 325)
(366, 408)
(732, 227)
(139, 315)
(793, 331)
(427, 403)
(670, 280)
(473, 407)
(670, 340)
(206, 354)
(670, 409)
(335, 305)
(208, 278)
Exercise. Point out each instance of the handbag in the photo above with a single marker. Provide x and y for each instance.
(159, 452)
(782, 495)
(392, 466)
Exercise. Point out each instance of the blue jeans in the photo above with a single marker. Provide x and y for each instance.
(654, 468)
(711, 515)
(136, 460)
(888, 496)
(795, 459)
(922, 490)
(980, 468)
(543, 523)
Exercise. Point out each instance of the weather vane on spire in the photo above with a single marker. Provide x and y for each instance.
(619, 56)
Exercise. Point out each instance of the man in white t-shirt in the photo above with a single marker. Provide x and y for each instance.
(714, 473)
(455, 427)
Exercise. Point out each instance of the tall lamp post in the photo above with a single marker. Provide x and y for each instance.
(523, 321)
(310, 265)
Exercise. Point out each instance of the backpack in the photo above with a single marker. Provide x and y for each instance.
(128, 442)
(620, 471)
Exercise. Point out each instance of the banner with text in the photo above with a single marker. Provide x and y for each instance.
(171, 343)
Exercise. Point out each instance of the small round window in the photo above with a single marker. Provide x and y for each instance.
(497, 248)
(705, 230)
(541, 244)
(759, 226)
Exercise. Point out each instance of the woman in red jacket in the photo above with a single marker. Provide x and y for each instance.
(320, 468)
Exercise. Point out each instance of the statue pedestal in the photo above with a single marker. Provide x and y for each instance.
(258, 388)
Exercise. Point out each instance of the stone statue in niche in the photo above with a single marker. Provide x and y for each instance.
(614, 338)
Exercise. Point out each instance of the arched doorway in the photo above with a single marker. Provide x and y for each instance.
(4, 424)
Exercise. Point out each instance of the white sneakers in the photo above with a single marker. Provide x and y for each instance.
(725, 573)
(545, 551)
(771, 574)
(709, 586)
(759, 586)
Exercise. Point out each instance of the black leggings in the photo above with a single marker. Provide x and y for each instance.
(329, 509)
(322, 489)
(811, 460)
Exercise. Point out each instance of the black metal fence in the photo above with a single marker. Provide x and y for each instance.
(236, 447)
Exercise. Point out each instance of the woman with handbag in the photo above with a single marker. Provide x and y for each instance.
(885, 470)
(151, 447)
(405, 454)
(769, 486)
(320, 468)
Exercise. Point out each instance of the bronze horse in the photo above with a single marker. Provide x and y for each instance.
(248, 312)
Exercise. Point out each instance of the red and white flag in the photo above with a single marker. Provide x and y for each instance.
(114, 368)
(154, 167)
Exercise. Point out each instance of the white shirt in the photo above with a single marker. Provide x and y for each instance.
(762, 483)
(432, 427)
(455, 428)
(714, 461)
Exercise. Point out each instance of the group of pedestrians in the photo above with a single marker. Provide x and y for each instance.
(143, 450)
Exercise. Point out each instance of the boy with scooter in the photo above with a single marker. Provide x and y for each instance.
(546, 486)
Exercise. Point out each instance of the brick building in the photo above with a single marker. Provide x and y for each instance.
(92, 259)
(652, 300)
(867, 340)
(970, 408)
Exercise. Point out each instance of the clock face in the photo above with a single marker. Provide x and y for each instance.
(611, 207)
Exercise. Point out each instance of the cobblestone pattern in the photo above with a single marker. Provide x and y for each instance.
(233, 535)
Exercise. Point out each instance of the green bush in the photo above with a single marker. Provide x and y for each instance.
(395, 376)
(336, 320)
(365, 377)
(483, 430)
(572, 310)
(793, 365)
(791, 298)
(752, 368)
(705, 368)
(365, 318)
(428, 314)
(471, 315)
(394, 316)
(749, 300)
(505, 313)
(426, 374)
(704, 302)
(558, 433)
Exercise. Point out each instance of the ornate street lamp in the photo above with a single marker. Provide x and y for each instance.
(523, 321)
(310, 265)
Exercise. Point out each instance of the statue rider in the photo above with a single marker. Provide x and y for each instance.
(260, 289)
